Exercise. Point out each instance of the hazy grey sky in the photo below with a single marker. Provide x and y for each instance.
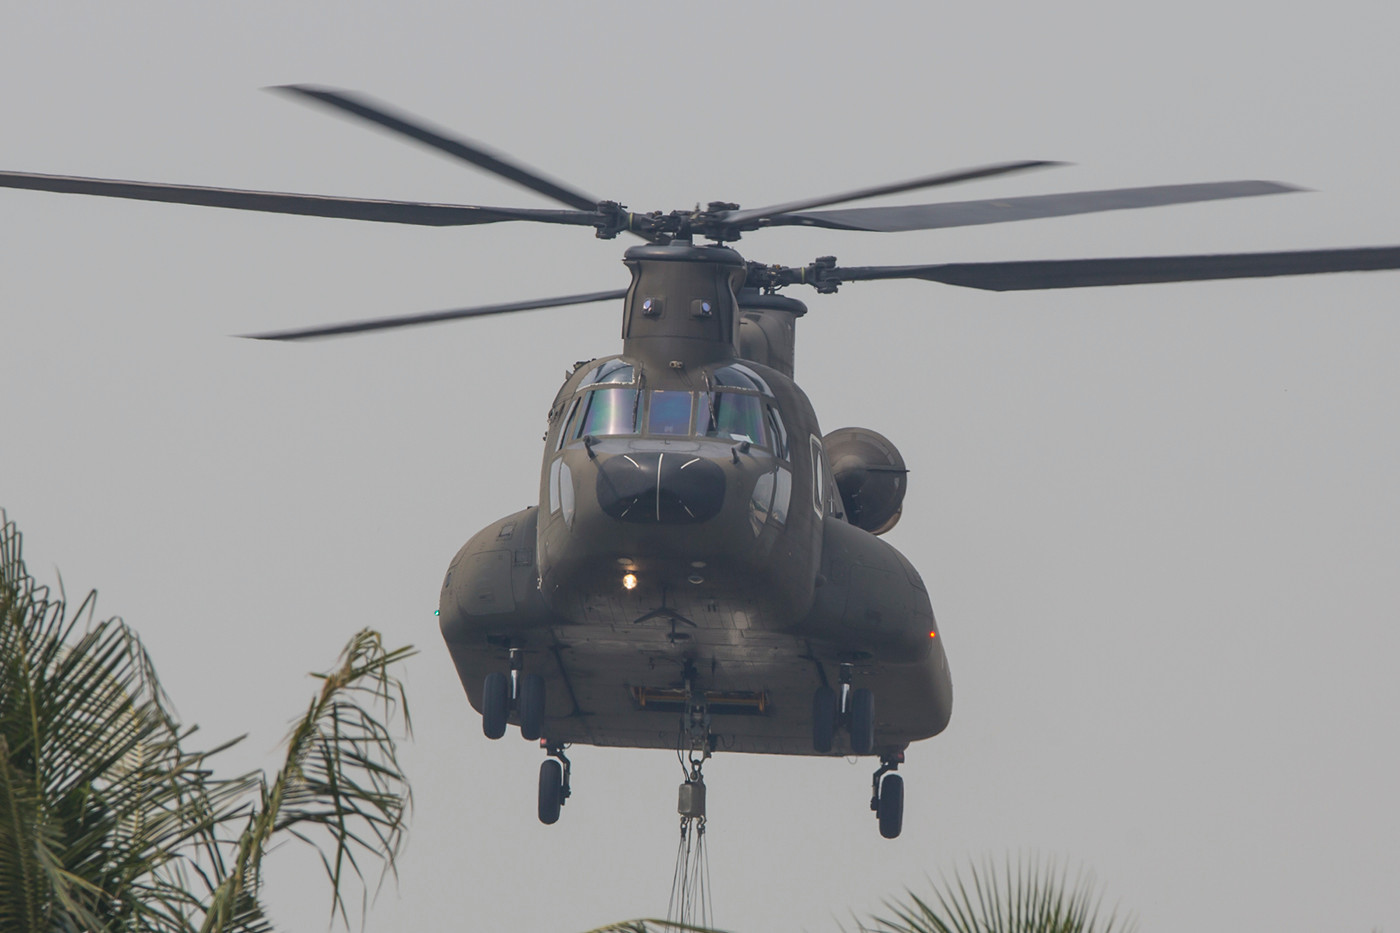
(1158, 524)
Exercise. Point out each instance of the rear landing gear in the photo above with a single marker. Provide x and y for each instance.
(887, 795)
(554, 784)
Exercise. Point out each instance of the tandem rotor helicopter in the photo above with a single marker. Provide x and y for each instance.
(704, 571)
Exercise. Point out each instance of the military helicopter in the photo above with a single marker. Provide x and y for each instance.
(704, 570)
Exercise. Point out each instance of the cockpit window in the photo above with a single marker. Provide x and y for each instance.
(730, 416)
(669, 413)
(777, 433)
(733, 416)
(607, 411)
(569, 420)
(739, 376)
(613, 371)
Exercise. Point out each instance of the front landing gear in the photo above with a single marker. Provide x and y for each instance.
(887, 795)
(554, 784)
(495, 704)
(524, 693)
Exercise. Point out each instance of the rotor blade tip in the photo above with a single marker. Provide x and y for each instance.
(305, 90)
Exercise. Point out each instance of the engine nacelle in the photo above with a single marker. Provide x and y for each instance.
(871, 476)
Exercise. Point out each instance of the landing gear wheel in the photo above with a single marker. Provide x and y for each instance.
(891, 807)
(495, 704)
(823, 718)
(862, 721)
(552, 791)
(531, 706)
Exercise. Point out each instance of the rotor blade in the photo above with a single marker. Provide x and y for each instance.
(1087, 273)
(314, 205)
(387, 323)
(928, 181)
(1004, 210)
(468, 151)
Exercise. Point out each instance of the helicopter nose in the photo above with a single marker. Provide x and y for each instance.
(659, 487)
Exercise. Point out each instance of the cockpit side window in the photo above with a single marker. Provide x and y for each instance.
(604, 412)
(733, 416)
(777, 433)
(566, 425)
(818, 476)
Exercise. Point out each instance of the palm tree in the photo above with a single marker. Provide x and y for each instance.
(1027, 898)
(109, 822)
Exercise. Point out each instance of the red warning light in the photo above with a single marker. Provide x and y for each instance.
(932, 634)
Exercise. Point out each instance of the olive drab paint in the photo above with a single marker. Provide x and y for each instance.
(749, 578)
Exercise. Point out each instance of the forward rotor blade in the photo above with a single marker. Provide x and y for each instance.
(314, 205)
(1004, 210)
(432, 317)
(1088, 273)
(467, 150)
(927, 181)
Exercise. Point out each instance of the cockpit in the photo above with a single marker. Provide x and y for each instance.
(738, 407)
(650, 481)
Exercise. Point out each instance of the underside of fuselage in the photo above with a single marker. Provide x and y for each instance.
(620, 665)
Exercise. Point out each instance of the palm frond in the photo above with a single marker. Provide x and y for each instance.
(340, 789)
(1029, 897)
(104, 812)
(107, 823)
(646, 925)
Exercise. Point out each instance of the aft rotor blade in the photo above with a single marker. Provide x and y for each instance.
(1088, 273)
(465, 149)
(314, 205)
(1005, 210)
(927, 181)
(433, 317)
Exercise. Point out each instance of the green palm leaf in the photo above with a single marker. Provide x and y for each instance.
(1029, 897)
(341, 789)
(107, 822)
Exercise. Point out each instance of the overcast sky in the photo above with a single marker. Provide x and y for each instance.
(1158, 523)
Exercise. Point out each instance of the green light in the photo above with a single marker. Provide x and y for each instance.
(437, 612)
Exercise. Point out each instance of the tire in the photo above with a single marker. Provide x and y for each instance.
(823, 718)
(551, 790)
(862, 721)
(495, 704)
(891, 809)
(531, 706)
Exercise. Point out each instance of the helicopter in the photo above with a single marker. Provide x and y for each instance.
(705, 569)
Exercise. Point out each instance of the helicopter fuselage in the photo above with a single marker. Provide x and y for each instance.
(690, 536)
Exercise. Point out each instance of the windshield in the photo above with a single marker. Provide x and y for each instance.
(607, 411)
(734, 416)
(669, 413)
